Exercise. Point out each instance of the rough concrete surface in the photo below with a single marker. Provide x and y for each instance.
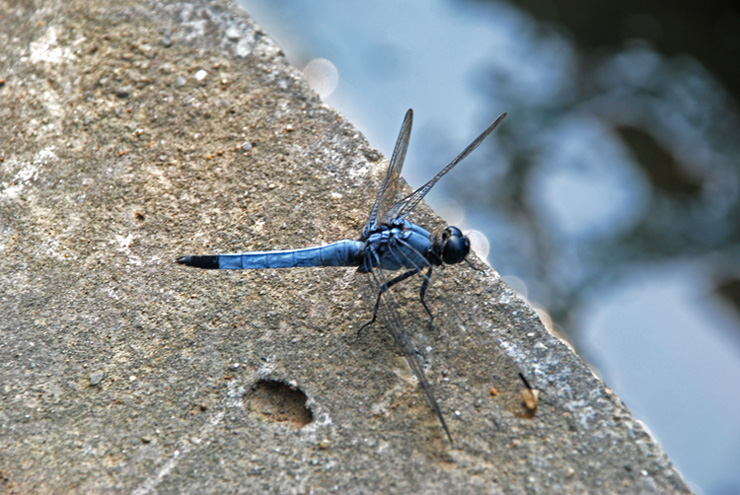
(135, 131)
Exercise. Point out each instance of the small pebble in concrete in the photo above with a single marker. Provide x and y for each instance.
(96, 378)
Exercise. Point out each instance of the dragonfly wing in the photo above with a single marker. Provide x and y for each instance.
(445, 323)
(389, 189)
(390, 317)
(403, 207)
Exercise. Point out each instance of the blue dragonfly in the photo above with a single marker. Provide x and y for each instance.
(388, 242)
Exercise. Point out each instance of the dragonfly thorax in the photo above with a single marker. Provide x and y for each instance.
(451, 246)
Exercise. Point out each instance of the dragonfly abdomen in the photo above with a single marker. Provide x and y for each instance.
(341, 253)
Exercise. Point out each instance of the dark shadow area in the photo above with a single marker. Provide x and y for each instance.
(277, 402)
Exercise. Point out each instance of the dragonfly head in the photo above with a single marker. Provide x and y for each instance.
(455, 246)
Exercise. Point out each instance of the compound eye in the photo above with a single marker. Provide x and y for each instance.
(455, 246)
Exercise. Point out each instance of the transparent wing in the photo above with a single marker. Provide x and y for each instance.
(389, 189)
(465, 353)
(403, 207)
(390, 317)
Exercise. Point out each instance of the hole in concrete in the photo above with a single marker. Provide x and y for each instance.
(277, 402)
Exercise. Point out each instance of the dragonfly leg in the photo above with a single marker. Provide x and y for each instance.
(423, 291)
(385, 287)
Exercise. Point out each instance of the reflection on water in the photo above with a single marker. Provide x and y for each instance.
(618, 161)
(322, 76)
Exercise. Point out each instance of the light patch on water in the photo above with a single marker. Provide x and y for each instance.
(479, 243)
(322, 75)
(450, 210)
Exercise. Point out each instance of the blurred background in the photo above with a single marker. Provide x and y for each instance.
(609, 197)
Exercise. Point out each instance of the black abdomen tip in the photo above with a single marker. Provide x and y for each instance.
(208, 261)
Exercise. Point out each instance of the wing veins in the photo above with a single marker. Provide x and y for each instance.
(402, 208)
(389, 187)
(400, 336)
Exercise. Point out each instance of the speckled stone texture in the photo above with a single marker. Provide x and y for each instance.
(133, 132)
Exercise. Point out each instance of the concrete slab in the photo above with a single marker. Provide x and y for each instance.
(135, 131)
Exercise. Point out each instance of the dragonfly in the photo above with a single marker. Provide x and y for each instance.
(388, 243)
